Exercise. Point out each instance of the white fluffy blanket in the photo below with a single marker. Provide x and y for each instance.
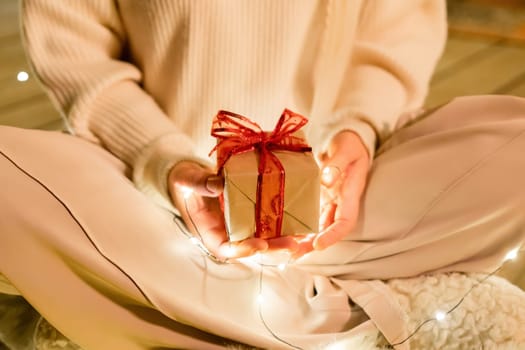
(491, 316)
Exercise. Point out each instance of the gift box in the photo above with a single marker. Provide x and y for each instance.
(272, 181)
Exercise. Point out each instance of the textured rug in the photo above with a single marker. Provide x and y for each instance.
(503, 19)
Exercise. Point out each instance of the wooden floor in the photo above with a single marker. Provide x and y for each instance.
(471, 64)
(22, 104)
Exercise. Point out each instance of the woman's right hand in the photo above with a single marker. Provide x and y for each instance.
(194, 191)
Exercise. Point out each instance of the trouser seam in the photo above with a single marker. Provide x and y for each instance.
(77, 222)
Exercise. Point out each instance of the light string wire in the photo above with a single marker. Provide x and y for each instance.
(259, 306)
(199, 242)
(443, 314)
(181, 225)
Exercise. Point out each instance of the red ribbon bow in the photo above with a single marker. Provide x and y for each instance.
(237, 134)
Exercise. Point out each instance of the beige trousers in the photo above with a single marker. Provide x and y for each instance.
(112, 271)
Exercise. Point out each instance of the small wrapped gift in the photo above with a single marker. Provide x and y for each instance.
(272, 182)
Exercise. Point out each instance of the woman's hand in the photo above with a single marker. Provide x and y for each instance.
(194, 191)
(344, 169)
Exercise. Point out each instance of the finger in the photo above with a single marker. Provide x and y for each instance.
(343, 150)
(243, 248)
(347, 210)
(304, 246)
(333, 234)
(283, 243)
(252, 246)
(327, 215)
(200, 180)
(335, 169)
(208, 224)
(205, 220)
(352, 190)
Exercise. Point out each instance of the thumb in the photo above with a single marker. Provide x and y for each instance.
(341, 152)
(333, 167)
(197, 178)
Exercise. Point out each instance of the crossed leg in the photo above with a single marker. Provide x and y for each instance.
(112, 271)
(445, 194)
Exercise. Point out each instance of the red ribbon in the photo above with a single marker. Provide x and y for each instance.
(237, 134)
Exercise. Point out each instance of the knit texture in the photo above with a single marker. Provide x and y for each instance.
(145, 78)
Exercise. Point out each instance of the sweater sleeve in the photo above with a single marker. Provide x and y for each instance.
(76, 49)
(397, 46)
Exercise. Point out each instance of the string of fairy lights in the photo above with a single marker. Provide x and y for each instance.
(439, 315)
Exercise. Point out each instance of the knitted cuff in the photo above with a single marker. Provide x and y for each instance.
(152, 167)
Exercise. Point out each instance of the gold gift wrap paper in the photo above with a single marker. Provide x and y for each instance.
(301, 194)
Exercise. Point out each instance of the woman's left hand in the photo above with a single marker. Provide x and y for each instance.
(344, 169)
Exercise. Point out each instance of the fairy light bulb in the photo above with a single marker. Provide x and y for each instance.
(228, 251)
(440, 316)
(195, 241)
(281, 266)
(186, 191)
(260, 299)
(22, 76)
(513, 254)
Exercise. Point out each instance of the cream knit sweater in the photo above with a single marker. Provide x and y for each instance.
(145, 78)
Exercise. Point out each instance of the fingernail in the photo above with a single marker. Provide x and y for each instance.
(329, 174)
(214, 184)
